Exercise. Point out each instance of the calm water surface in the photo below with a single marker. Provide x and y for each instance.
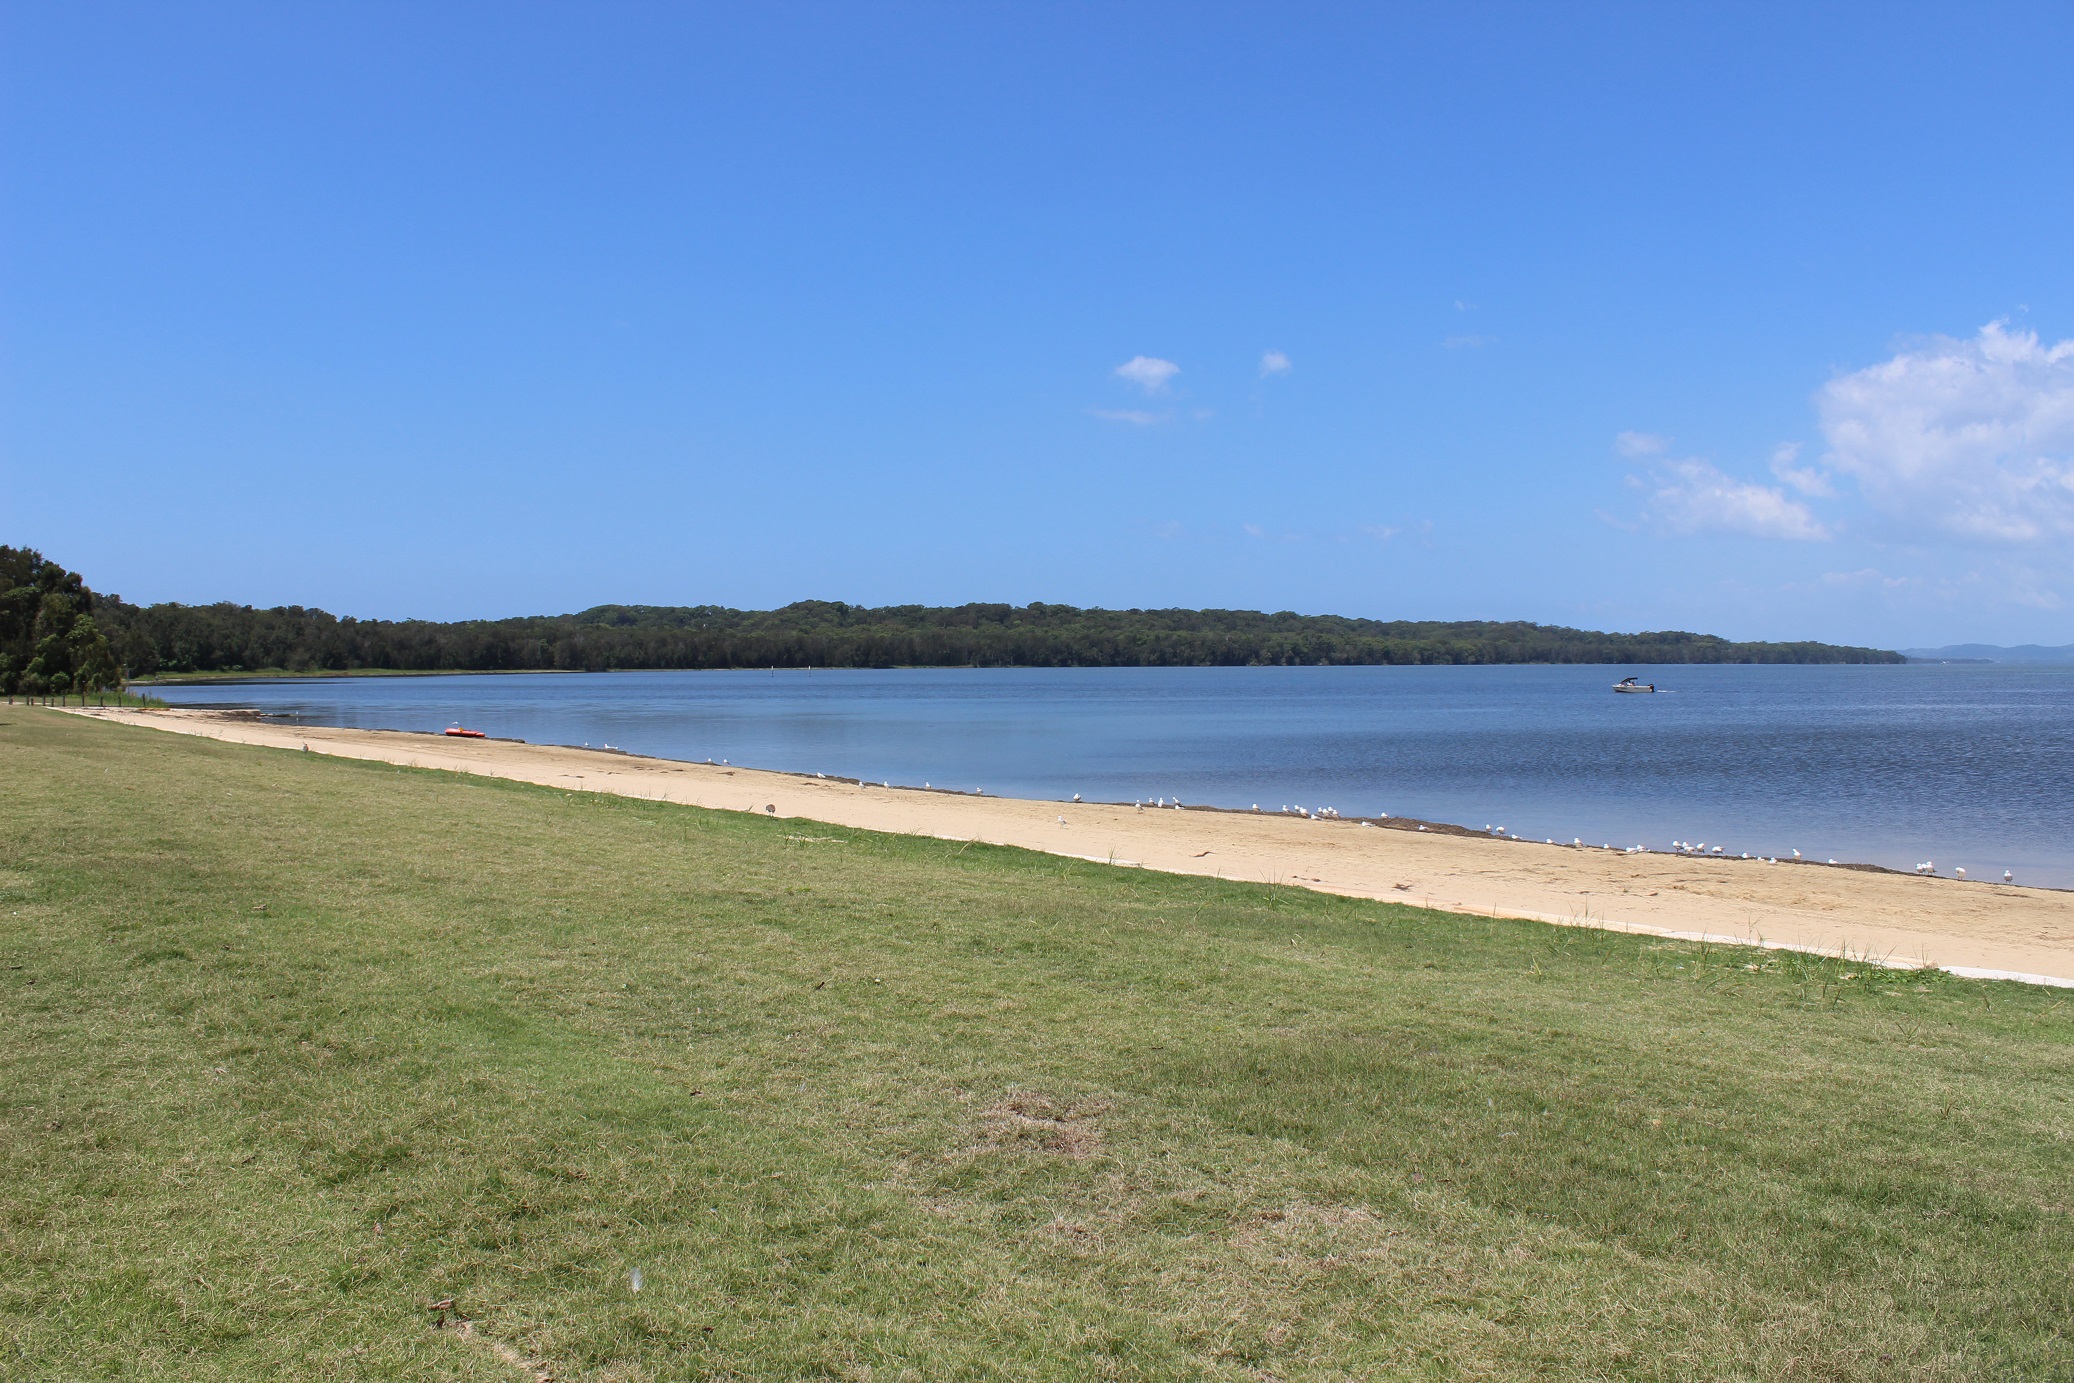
(1970, 766)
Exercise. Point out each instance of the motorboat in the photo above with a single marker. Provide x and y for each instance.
(1629, 684)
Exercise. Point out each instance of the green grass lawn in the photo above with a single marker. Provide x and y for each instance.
(291, 1047)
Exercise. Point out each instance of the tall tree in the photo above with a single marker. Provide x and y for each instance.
(50, 641)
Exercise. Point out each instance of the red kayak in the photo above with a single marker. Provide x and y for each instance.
(459, 733)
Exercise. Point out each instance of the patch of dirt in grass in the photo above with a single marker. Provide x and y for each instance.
(1297, 1220)
(533, 1369)
(1072, 1236)
(1313, 1237)
(1029, 1118)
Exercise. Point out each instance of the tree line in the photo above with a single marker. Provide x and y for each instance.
(172, 639)
(50, 642)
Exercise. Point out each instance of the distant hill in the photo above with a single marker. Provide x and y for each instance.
(1991, 653)
(817, 633)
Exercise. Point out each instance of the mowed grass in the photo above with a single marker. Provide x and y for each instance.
(292, 1047)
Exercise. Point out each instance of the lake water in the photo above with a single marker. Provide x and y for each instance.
(1964, 766)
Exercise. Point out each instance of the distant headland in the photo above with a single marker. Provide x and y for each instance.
(1991, 653)
(174, 639)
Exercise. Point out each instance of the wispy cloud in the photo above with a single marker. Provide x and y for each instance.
(1973, 438)
(1274, 363)
(1693, 496)
(1996, 582)
(2023, 585)
(1148, 372)
(1866, 578)
(1468, 341)
(1638, 444)
(1135, 416)
(1809, 480)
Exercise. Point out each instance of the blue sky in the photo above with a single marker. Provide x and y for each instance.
(1738, 318)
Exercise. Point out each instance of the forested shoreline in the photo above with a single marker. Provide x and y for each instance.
(56, 633)
(50, 642)
(170, 639)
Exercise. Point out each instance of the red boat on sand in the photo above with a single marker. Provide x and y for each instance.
(460, 733)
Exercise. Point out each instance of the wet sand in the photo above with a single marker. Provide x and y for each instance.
(1969, 927)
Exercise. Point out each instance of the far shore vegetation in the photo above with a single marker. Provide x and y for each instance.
(161, 639)
(114, 640)
(319, 1068)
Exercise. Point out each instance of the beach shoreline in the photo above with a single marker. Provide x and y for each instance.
(1865, 913)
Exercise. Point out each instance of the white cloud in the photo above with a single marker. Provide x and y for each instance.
(1691, 496)
(1274, 363)
(1148, 372)
(1616, 521)
(1640, 444)
(1130, 415)
(1865, 577)
(1809, 480)
(1971, 438)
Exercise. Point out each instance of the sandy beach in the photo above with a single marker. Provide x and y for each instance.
(1974, 928)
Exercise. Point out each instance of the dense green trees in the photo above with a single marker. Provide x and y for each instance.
(211, 638)
(57, 637)
(50, 642)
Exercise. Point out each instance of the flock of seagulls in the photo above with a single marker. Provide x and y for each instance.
(1930, 867)
(1697, 849)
